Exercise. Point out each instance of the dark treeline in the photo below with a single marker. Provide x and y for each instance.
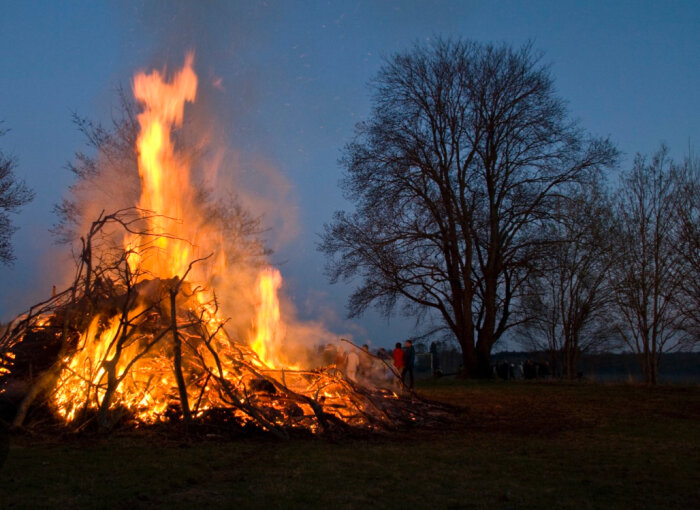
(681, 367)
(485, 211)
(623, 270)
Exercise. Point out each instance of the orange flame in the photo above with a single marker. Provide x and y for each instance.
(165, 177)
(143, 384)
(136, 369)
(269, 331)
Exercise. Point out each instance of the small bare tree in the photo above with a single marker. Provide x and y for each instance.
(14, 194)
(687, 208)
(648, 271)
(567, 300)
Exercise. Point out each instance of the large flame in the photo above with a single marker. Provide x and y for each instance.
(145, 340)
(167, 192)
(165, 178)
(143, 379)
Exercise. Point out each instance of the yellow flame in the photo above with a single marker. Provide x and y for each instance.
(165, 178)
(268, 328)
(100, 346)
(122, 348)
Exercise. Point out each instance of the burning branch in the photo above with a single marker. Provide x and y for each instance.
(100, 352)
(177, 358)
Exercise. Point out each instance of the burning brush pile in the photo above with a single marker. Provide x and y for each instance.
(139, 337)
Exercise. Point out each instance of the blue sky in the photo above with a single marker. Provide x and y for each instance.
(296, 81)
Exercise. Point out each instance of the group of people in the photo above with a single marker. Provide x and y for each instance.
(360, 365)
(527, 369)
(404, 361)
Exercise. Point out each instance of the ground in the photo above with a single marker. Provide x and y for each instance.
(516, 445)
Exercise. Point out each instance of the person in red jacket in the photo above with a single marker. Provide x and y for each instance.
(398, 360)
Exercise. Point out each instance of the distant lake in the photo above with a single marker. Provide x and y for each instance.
(679, 367)
(673, 368)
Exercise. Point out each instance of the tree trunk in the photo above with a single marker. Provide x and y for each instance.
(487, 331)
(469, 363)
(651, 368)
(570, 355)
(554, 361)
(177, 361)
(104, 421)
(483, 358)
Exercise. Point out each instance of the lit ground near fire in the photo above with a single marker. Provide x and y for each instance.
(516, 445)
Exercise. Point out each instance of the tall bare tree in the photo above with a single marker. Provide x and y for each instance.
(14, 194)
(687, 207)
(466, 148)
(648, 271)
(568, 297)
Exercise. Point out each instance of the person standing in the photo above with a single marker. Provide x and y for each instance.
(435, 358)
(366, 361)
(353, 363)
(341, 359)
(397, 354)
(409, 359)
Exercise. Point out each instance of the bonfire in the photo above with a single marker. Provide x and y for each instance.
(139, 338)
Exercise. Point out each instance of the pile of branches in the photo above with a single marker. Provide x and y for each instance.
(165, 325)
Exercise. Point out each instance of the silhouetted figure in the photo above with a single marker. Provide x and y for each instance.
(502, 370)
(529, 370)
(409, 359)
(434, 355)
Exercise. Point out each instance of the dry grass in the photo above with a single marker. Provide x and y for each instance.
(516, 445)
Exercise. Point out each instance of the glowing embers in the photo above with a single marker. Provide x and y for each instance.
(111, 362)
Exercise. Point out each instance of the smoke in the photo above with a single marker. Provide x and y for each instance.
(241, 194)
(230, 40)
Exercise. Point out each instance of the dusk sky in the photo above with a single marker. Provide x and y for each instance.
(294, 81)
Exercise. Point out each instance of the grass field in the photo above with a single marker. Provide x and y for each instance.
(517, 445)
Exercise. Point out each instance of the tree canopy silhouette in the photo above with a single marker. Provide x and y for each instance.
(452, 176)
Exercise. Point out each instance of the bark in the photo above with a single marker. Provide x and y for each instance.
(177, 360)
